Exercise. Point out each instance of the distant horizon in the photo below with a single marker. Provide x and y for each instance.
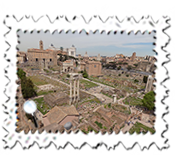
(93, 44)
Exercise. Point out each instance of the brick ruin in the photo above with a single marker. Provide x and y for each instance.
(54, 99)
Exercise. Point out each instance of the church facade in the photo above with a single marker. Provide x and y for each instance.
(42, 58)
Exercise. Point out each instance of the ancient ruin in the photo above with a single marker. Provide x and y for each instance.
(149, 84)
(74, 86)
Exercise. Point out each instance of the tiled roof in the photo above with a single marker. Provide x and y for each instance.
(58, 113)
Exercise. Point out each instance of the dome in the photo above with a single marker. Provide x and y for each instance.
(68, 125)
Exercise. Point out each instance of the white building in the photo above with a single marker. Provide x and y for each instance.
(72, 51)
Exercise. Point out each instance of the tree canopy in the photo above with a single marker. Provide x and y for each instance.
(21, 74)
(129, 67)
(148, 100)
(27, 85)
(85, 74)
(27, 88)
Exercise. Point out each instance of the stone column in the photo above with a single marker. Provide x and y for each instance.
(114, 98)
(74, 90)
(70, 102)
(78, 90)
(149, 84)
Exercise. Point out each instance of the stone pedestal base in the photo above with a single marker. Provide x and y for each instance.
(70, 101)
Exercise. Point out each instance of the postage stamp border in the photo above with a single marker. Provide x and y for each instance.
(144, 25)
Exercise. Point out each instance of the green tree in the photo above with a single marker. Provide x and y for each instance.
(85, 74)
(148, 100)
(129, 67)
(68, 75)
(27, 88)
(61, 58)
(21, 74)
(145, 78)
(76, 63)
(136, 80)
(135, 65)
(119, 67)
(113, 66)
(65, 57)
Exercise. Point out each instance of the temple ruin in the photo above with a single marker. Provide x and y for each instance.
(74, 87)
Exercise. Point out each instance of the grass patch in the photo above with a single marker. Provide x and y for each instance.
(99, 125)
(105, 127)
(121, 108)
(37, 81)
(137, 128)
(96, 100)
(100, 81)
(40, 102)
(47, 71)
(52, 69)
(109, 105)
(92, 129)
(88, 84)
(44, 92)
(89, 130)
(106, 94)
(84, 131)
(133, 101)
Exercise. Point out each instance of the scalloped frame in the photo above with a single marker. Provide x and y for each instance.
(79, 139)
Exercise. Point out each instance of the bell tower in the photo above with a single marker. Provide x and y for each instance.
(41, 45)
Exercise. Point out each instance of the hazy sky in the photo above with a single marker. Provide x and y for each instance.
(106, 45)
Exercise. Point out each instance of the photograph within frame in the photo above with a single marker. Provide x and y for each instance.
(111, 89)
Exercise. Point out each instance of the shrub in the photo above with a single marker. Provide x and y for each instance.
(68, 75)
(136, 80)
(99, 124)
(119, 74)
(127, 75)
(85, 74)
(129, 67)
(109, 105)
(119, 67)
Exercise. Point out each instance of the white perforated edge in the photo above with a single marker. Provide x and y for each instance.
(77, 140)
